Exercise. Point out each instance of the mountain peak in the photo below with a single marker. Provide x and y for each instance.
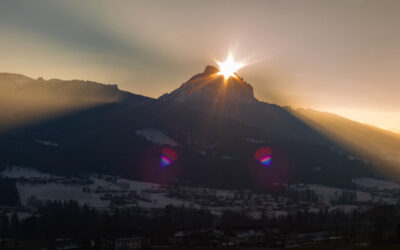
(210, 70)
(209, 86)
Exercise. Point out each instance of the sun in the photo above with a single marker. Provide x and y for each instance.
(229, 67)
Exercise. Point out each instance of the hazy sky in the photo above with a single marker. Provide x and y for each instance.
(338, 56)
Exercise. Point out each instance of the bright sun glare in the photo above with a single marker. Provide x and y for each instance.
(229, 67)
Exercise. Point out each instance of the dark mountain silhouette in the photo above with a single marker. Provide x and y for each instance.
(364, 141)
(218, 124)
(24, 100)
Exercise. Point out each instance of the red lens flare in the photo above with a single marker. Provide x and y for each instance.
(264, 156)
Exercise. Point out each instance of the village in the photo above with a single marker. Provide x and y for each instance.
(109, 194)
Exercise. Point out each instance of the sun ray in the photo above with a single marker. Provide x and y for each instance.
(229, 67)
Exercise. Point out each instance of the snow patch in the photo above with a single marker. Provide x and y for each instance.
(351, 157)
(318, 169)
(376, 183)
(47, 143)
(157, 137)
(226, 157)
(255, 141)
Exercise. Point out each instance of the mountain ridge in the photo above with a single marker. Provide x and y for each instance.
(101, 138)
(18, 77)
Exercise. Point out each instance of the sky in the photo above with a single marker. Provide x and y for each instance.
(336, 56)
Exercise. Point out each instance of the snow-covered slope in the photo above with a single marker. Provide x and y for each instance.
(17, 172)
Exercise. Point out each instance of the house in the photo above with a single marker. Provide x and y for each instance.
(124, 243)
(191, 237)
(124, 240)
(228, 236)
(66, 244)
(246, 236)
(254, 236)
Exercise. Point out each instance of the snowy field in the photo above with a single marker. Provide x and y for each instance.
(53, 191)
(60, 191)
(153, 195)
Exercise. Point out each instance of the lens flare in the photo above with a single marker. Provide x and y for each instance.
(168, 156)
(229, 67)
(264, 156)
(165, 161)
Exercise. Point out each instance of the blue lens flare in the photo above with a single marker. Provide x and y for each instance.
(168, 156)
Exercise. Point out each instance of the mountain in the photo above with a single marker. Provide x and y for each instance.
(216, 125)
(12, 81)
(211, 87)
(77, 91)
(233, 98)
(26, 100)
(204, 92)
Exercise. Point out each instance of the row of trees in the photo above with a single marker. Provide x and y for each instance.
(66, 219)
(69, 220)
(8, 192)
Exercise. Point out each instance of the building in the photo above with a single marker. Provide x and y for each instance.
(191, 237)
(253, 236)
(124, 243)
(230, 236)
(66, 244)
